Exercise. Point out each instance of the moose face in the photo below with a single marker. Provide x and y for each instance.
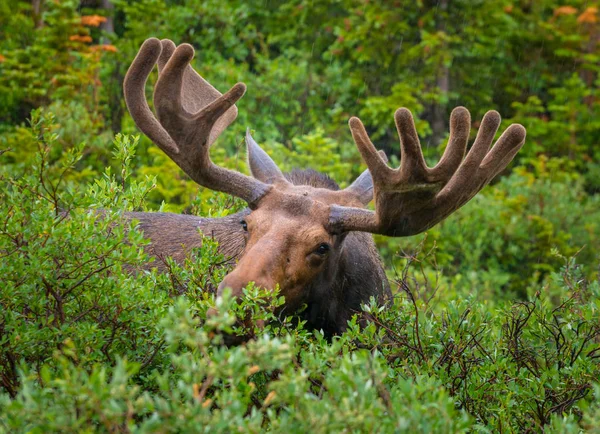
(289, 242)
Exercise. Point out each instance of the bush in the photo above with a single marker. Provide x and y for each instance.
(511, 237)
(495, 322)
(90, 342)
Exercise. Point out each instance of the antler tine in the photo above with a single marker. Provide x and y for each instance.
(483, 164)
(172, 101)
(134, 90)
(414, 198)
(412, 163)
(192, 114)
(168, 47)
(373, 159)
(460, 127)
(199, 92)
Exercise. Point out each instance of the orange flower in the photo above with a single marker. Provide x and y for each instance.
(253, 370)
(564, 10)
(80, 38)
(508, 9)
(588, 16)
(92, 20)
(104, 47)
(269, 398)
(2, 58)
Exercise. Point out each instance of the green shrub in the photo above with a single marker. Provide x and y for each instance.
(509, 239)
(495, 323)
(92, 342)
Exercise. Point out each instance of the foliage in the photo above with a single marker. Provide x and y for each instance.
(313, 65)
(92, 342)
(519, 229)
(495, 324)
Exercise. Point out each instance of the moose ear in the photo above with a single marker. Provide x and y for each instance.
(262, 166)
(362, 187)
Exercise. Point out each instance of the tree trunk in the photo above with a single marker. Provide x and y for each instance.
(37, 6)
(438, 123)
(588, 76)
(109, 25)
(115, 97)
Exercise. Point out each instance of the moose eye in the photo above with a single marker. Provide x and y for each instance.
(244, 225)
(323, 249)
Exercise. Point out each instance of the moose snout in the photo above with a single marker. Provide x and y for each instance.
(237, 283)
(265, 270)
(255, 266)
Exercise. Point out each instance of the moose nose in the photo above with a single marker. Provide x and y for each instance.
(236, 287)
(237, 284)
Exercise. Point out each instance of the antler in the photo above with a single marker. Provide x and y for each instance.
(191, 115)
(414, 197)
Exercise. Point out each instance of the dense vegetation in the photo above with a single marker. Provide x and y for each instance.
(496, 321)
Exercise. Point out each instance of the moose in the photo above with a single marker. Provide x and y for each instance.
(300, 231)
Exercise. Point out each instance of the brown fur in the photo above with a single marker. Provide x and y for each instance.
(175, 235)
(273, 252)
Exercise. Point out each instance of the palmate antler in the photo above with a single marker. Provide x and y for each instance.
(409, 200)
(414, 197)
(191, 115)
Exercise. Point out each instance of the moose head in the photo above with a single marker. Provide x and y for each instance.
(295, 231)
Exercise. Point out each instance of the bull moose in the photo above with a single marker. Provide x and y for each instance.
(300, 230)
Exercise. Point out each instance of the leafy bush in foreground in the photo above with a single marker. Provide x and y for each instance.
(525, 367)
(91, 342)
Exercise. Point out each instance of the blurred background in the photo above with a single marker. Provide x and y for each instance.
(309, 66)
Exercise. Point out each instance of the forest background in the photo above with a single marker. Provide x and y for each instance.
(521, 260)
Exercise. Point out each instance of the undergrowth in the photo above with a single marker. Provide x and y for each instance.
(91, 341)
